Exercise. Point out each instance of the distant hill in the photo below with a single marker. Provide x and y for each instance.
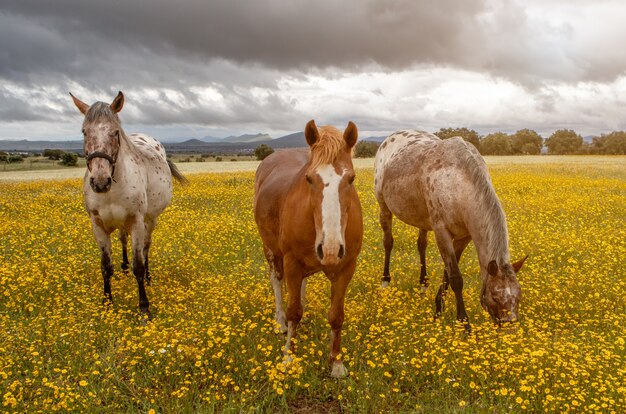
(247, 138)
(295, 140)
(374, 139)
(38, 146)
(210, 139)
(233, 144)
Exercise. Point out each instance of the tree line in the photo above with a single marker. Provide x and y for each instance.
(529, 142)
(523, 142)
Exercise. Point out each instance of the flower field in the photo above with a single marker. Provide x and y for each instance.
(212, 345)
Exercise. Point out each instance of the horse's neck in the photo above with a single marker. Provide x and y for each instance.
(126, 152)
(492, 239)
(127, 149)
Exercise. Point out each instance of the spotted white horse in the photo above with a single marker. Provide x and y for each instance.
(128, 183)
(444, 186)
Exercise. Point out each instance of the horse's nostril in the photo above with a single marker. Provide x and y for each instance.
(341, 251)
(320, 252)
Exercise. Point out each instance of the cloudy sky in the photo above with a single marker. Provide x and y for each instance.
(191, 68)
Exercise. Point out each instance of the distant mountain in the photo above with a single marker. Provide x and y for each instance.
(207, 144)
(374, 139)
(247, 138)
(38, 146)
(209, 138)
(295, 140)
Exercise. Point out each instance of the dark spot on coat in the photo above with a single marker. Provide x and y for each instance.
(393, 139)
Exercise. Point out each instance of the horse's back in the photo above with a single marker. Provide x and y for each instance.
(150, 149)
(158, 174)
(278, 167)
(274, 177)
(419, 176)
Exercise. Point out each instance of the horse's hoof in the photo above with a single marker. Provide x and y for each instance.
(423, 291)
(384, 285)
(124, 266)
(146, 317)
(338, 370)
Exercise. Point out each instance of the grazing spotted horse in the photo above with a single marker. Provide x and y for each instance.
(128, 183)
(309, 217)
(444, 186)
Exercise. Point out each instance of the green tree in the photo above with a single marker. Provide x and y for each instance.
(262, 151)
(4, 156)
(15, 159)
(468, 135)
(497, 143)
(564, 141)
(526, 141)
(365, 149)
(53, 154)
(613, 143)
(70, 159)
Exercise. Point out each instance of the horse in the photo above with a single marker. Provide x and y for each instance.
(444, 186)
(309, 218)
(127, 184)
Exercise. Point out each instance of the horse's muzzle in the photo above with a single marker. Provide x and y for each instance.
(101, 185)
(330, 256)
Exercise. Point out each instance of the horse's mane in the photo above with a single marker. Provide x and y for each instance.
(494, 218)
(99, 111)
(327, 148)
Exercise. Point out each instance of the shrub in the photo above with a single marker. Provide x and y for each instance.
(365, 149)
(70, 159)
(262, 151)
(53, 154)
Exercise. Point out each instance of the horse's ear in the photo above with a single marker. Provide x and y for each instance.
(82, 106)
(351, 134)
(492, 268)
(118, 102)
(311, 133)
(518, 265)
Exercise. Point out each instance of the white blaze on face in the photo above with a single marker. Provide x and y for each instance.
(331, 213)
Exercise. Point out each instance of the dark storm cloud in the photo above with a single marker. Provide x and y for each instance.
(83, 38)
(97, 48)
(295, 34)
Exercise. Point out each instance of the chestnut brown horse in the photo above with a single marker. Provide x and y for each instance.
(309, 217)
(444, 186)
(127, 184)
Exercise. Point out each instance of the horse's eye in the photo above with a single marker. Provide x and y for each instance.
(83, 131)
(308, 179)
(351, 180)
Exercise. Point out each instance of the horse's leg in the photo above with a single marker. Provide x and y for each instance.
(422, 243)
(276, 279)
(106, 265)
(386, 221)
(303, 294)
(123, 235)
(446, 248)
(459, 247)
(138, 236)
(150, 225)
(338, 287)
(294, 277)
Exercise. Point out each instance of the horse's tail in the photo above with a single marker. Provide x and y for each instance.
(177, 174)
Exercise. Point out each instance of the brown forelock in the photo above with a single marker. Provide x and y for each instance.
(327, 148)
